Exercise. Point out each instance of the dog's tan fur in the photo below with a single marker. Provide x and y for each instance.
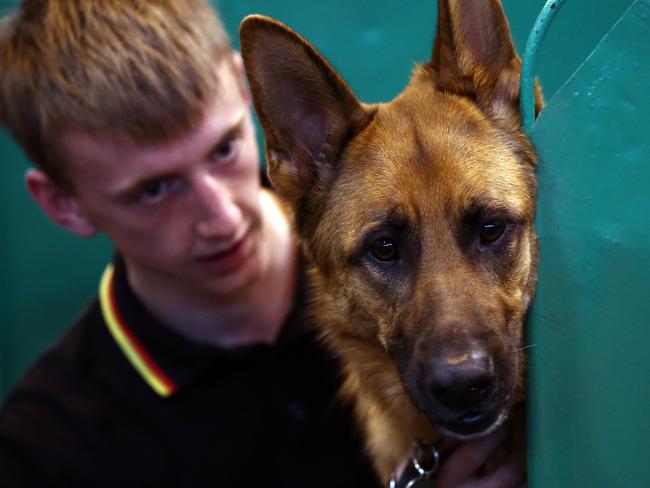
(427, 171)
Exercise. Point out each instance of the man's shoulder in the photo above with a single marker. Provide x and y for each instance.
(68, 355)
(79, 415)
(62, 378)
(44, 421)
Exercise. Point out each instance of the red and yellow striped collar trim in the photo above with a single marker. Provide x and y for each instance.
(132, 349)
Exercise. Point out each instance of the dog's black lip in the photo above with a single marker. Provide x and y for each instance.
(472, 422)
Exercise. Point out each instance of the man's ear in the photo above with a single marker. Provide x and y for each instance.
(60, 206)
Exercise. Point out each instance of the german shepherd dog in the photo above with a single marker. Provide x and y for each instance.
(416, 221)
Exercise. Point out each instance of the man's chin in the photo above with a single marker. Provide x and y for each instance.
(236, 281)
(230, 260)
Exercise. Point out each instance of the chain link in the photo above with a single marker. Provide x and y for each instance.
(424, 463)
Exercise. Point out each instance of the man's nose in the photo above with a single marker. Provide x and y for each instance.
(218, 213)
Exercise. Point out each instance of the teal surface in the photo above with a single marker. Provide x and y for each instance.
(47, 276)
(590, 381)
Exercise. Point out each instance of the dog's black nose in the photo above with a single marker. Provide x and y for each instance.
(462, 380)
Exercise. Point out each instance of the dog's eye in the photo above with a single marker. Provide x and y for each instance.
(384, 249)
(492, 231)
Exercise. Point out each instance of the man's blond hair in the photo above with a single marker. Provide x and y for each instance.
(143, 68)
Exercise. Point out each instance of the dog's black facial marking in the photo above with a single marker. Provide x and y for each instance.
(386, 256)
(492, 231)
(387, 251)
(488, 234)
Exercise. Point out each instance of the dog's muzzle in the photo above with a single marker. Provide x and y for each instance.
(463, 387)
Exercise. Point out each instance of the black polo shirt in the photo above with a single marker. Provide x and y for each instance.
(123, 401)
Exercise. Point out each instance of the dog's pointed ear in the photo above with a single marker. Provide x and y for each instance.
(306, 110)
(474, 56)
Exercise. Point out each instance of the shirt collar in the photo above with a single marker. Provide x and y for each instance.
(164, 359)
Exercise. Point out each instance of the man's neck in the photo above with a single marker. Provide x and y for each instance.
(255, 316)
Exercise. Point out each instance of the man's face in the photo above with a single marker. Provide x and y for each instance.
(185, 215)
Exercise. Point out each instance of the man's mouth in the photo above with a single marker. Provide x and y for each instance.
(230, 258)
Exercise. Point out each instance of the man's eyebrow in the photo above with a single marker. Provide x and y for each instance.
(233, 130)
(131, 189)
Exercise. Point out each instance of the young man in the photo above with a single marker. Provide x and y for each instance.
(196, 365)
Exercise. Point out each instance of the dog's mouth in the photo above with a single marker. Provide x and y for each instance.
(472, 424)
(466, 421)
(466, 415)
(464, 387)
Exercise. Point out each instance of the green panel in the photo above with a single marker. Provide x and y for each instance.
(590, 382)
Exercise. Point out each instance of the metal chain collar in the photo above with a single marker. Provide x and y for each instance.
(418, 473)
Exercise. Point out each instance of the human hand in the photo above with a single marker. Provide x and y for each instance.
(463, 467)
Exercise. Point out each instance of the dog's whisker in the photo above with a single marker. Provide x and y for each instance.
(550, 319)
(525, 347)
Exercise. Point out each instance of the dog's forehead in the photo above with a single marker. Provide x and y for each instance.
(435, 149)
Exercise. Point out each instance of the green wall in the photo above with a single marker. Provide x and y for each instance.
(46, 276)
(590, 368)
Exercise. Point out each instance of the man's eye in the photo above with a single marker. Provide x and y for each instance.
(153, 191)
(225, 150)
